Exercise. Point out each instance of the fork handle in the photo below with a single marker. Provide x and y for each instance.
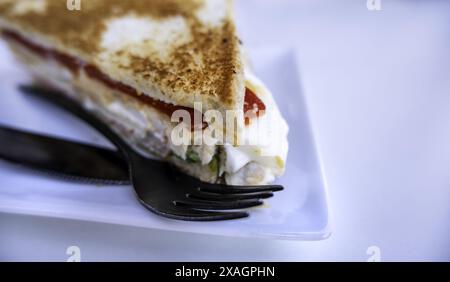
(57, 98)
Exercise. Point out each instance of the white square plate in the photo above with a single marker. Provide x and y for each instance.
(298, 213)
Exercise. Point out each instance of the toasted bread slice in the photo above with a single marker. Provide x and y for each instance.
(177, 51)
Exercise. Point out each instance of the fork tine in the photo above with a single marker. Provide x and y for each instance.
(222, 188)
(229, 197)
(182, 213)
(226, 189)
(210, 205)
(203, 215)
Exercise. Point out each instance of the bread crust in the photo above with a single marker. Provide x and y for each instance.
(201, 60)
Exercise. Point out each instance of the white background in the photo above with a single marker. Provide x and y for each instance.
(377, 85)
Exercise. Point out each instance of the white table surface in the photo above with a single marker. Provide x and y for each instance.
(378, 91)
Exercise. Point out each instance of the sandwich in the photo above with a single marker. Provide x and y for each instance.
(170, 76)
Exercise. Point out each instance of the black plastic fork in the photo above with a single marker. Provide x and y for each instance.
(161, 188)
